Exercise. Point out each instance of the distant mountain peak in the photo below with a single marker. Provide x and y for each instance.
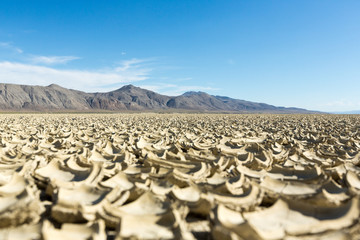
(129, 86)
(53, 85)
(192, 93)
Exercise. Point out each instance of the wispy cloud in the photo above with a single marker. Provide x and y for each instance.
(9, 45)
(231, 61)
(340, 105)
(183, 79)
(51, 60)
(175, 90)
(131, 63)
(96, 80)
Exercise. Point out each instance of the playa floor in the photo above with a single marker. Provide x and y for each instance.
(179, 176)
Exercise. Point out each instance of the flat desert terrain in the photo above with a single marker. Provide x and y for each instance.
(179, 176)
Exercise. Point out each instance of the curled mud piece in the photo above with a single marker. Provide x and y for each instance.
(153, 215)
(161, 187)
(251, 197)
(192, 198)
(19, 203)
(235, 184)
(23, 232)
(119, 180)
(309, 175)
(333, 235)
(196, 174)
(289, 218)
(78, 204)
(353, 181)
(56, 175)
(229, 224)
(251, 173)
(14, 187)
(152, 227)
(335, 193)
(289, 188)
(70, 231)
(146, 204)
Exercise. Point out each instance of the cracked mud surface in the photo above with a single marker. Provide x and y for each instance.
(179, 176)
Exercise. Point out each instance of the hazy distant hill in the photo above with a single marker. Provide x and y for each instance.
(348, 112)
(55, 98)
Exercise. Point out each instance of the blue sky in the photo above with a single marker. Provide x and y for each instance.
(300, 53)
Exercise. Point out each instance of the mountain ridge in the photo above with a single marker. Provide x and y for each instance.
(14, 97)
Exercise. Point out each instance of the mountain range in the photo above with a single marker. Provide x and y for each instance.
(15, 97)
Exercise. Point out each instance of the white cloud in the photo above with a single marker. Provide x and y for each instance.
(8, 45)
(50, 60)
(91, 81)
(175, 90)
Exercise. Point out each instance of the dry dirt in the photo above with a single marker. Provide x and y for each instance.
(182, 176)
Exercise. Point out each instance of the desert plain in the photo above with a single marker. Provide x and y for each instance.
(179, 176)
